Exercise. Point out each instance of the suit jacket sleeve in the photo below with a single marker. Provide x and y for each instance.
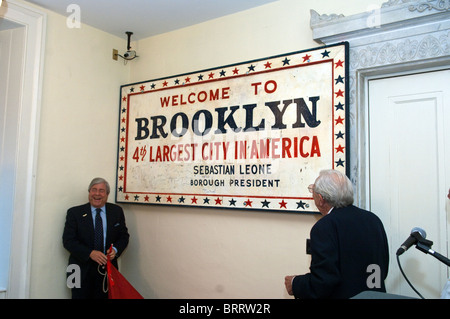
(324, 275)
(117, 233)
(76, 233)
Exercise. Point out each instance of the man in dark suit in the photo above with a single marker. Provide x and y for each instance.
(348, 245)
(88, 250)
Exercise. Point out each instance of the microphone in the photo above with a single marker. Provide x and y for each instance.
(416, 234)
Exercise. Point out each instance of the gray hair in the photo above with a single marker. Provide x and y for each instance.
(99, 180)
(335, 188)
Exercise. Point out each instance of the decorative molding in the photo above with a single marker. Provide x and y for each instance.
(318, 18)
(392, 15)
(401, 36)
(421, 6)
(411, 5)
(401, 50)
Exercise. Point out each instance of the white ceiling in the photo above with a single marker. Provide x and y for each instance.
(147, 17)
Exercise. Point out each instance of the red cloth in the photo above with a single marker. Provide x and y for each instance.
(118, 286)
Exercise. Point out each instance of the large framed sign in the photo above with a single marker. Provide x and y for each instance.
(249, 136)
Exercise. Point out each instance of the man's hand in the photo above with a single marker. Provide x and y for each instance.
(288, 284)
(98, 257)
(111, 253)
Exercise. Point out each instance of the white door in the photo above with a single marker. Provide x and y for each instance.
(409, 145)
(23, 31)
(11, 69)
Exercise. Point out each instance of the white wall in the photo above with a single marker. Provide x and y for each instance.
(173, 252)
(78, 138)
(207, 253)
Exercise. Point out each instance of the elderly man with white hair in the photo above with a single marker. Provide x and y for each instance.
(348, 245)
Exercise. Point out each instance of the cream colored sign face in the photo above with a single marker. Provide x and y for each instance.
(252, 135)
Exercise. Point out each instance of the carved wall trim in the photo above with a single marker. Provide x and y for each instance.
(399, 37)
(421, 6)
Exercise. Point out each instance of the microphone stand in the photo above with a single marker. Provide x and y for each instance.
(424, 245)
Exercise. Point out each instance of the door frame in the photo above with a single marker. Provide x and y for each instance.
(363, 77)
(35, 22)
(395, 230)
(397, 38)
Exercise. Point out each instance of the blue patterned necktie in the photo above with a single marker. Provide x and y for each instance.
(98, 232)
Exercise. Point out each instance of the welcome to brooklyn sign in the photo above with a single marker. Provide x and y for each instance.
(249, 136)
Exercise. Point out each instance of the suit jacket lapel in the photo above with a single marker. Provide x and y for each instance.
(108, 225)
(86, 215)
